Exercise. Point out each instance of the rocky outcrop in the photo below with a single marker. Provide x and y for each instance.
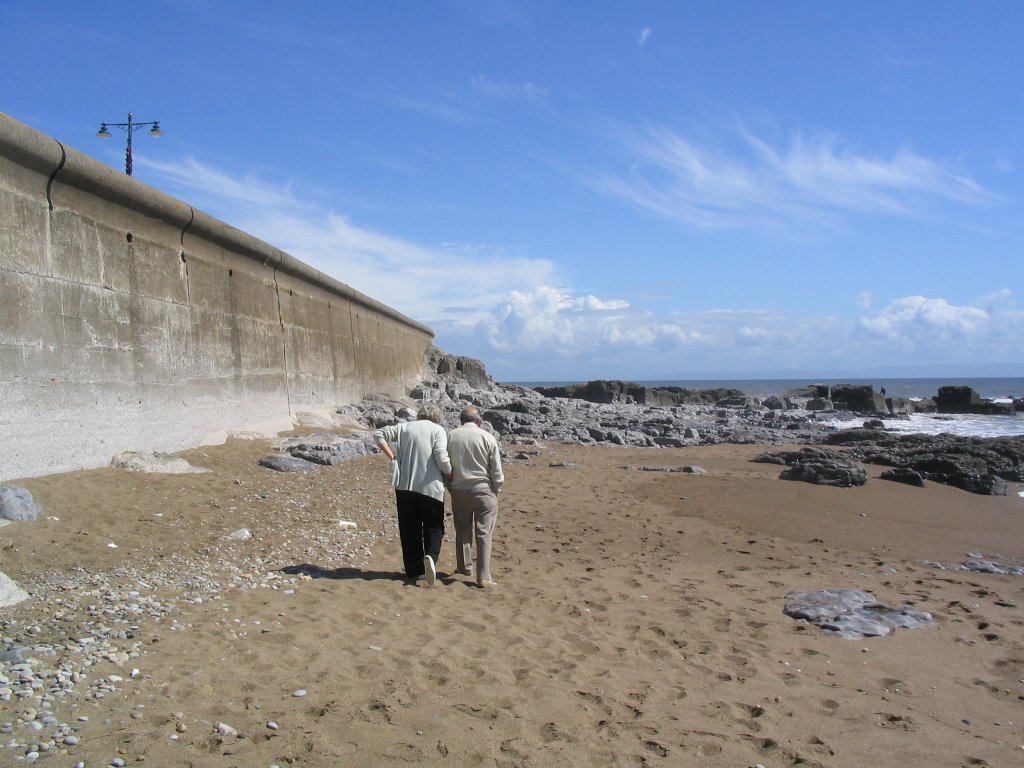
(615, 391)
(598, 412)
(612, 412)
(975, 464)
(859, 398)
(818, 466)
(960, 399)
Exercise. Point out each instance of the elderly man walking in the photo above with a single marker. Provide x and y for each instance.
(476, 483)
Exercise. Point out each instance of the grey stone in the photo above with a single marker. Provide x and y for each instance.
(852, 614)
(137, 461)
(332, 453)
(16, 503)
(286, 464)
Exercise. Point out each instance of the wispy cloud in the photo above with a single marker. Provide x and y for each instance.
(521, 316)
(806, 183)
(444, 111)
(523, 92)
(447, 283)
(645, 33)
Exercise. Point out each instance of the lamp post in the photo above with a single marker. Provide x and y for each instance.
(130, 127)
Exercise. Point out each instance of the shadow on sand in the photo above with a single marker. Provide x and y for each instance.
(319, 572)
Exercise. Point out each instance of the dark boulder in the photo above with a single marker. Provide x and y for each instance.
(975, 464)
(961, 399)
(903, 475)
(615, 391)
(842, 474)
(818, 466)
(811, 390)
(859, 398)
(988, 485)
(898, 405)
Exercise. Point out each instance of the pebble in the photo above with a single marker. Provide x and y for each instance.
(272, 725)
(299, 693)
(226, 731)
(58, 658)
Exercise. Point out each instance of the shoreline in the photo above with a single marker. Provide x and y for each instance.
(638, 618)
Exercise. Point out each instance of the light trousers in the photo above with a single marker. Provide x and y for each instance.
(475, 513)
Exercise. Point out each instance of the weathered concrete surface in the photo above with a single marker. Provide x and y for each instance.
(131, 321)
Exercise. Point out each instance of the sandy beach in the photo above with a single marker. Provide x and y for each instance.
(637, 620)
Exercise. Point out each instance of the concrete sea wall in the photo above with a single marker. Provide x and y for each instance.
(131, 321)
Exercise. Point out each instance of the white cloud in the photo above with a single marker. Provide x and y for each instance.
(864, 300)
(447, 283)
(917, 329)
(519, 315)
(750, 335)
(645, 33)
(552, 319)
(919, 319)
(753, 184)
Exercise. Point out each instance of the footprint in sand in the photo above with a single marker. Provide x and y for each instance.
(899, 722)
(705, 745)
(831, 706)
(596, 700)
(550, 732)
(820, 747)
(656, 748)
(894, 685)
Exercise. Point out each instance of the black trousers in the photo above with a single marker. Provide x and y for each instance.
(420, 529)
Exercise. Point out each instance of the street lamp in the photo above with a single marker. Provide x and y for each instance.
(130, 127)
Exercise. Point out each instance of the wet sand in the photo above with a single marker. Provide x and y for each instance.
(637, 619)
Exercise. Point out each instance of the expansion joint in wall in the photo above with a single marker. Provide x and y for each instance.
(181, 254)
(284, 341)
(49, 181)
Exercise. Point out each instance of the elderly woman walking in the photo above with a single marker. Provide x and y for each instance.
(418, 451)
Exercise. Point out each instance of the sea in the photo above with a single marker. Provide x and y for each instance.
(1003, 389)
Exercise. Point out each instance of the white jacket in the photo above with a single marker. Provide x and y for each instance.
(421, 449)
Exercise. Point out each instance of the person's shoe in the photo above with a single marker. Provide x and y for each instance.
(430, 572)
(421, 577)
(465, 571)
(486, 583)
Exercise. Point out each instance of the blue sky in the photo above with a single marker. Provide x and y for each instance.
(576, 190)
